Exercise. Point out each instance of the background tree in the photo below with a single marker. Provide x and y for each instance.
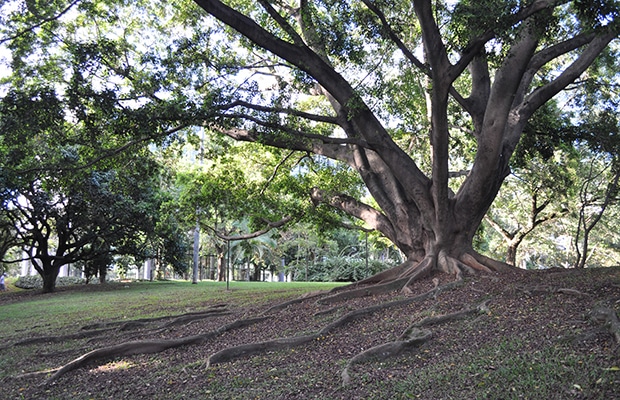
(62, 207)
(538, 190)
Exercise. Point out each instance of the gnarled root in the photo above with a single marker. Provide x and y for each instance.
(123, 349)
(402, 276)
(414, 338)
(233, 352)
(61, 338)
(146, 347)
(364, 291)
(440, 319)
(388, 275)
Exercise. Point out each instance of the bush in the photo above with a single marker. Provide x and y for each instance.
(36, 282)
(340, 269)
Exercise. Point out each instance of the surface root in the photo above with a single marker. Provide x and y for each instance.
(233, 352)
(609, 319)
(146, 347)
(414, 336)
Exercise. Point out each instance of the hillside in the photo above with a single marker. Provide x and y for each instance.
(533, 335)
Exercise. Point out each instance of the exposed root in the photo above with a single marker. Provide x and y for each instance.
(423, 269)
(364, 291)
(285, 304)
(440, 319)
(401, 277)
(572, 292)
(546, 289)
(230, 353)
(382, 277)
(185, 319)
(414, 338)
(146, 347)
(123, 349)
(61, 338)
(494, 265)
(471, 261)
(218, 308)
(355, 314)
(154, 346)
(233, 352)
(609, 319)
(36, 374)
(89, 332)
(327, 312)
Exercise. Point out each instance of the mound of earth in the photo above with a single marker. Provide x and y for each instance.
(552, 333)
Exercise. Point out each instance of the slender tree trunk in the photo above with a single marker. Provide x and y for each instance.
(103, 273)
(196, 258)
(511, 253)
(221, 274)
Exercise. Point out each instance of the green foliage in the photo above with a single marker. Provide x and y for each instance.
(596, 13)
(69, 198)
(100, 78)
(470, 19)
(339, 269)
(544, 133)
(36, 282)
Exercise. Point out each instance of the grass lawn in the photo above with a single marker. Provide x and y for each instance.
(536, 340)
(69, 308)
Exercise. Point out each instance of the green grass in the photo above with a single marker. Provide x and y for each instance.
(70, 309)
(66, 311)
(511, 361)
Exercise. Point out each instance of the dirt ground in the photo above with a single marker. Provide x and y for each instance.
(527, 335)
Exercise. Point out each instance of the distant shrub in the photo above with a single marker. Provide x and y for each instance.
(36, 282)
(339, 269)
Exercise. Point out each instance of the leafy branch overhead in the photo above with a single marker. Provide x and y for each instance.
(425, 102)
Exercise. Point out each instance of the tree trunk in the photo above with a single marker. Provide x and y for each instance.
(49, 274)
(221, 274)
(511, 253)
(103, 272)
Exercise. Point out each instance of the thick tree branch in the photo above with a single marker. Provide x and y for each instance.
(335, 148)
(351, 206)
(363, 121)
(477, 44)
(279, 110)
(299, 55)
(433, 43)
(544, 93)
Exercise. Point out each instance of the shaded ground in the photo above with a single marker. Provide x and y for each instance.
(536, 338)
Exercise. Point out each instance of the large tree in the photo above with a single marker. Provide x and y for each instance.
(495, 62)
(400, 92)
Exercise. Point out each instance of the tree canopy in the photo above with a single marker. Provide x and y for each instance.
(426, 101)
